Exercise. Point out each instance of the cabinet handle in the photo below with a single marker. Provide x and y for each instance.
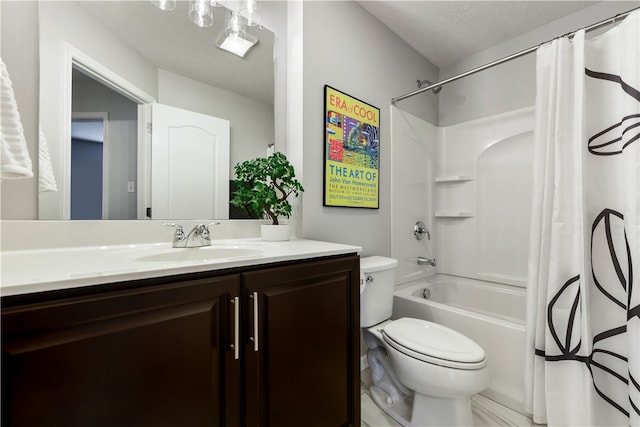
(236, 330)
(254, 297)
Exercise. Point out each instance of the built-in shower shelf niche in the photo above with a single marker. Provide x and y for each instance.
(454, 214)
(454, 178)
(451, 192)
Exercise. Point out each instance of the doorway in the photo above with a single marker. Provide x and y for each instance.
(105, 162)
(88, 167)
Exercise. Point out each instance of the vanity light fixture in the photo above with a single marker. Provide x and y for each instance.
(164, 4)
(201, 13)
(235, 39)
(252, 12)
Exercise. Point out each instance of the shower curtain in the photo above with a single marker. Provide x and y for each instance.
(583, 295)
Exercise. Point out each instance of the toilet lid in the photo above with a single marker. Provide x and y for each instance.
(434, 341)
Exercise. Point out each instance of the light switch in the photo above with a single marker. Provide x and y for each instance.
(131, 187)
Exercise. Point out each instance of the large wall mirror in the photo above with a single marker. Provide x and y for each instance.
(107, 68)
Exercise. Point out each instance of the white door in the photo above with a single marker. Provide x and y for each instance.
(189, 165)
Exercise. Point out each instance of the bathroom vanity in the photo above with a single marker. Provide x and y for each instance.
(271, 340)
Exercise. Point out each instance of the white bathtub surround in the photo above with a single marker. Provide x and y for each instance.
(413, 157)
(490, 314)
(470, 183)
(583, 340)
(482, 197)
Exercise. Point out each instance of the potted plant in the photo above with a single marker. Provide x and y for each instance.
(263, 186)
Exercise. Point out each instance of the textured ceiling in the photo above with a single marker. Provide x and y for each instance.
(446, 31)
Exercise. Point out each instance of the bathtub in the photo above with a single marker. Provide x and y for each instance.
(489, 313)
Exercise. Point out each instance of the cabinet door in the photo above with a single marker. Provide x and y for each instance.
(152, 356)
(302, 347)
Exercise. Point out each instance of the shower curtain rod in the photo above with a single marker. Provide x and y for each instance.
(510, 57)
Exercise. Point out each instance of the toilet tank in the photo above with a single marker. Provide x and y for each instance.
(376, 300)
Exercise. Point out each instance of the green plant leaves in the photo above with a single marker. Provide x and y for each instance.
(264, 184)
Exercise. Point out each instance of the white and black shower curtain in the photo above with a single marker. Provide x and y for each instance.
(583, 295)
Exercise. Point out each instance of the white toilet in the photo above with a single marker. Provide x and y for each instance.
(423, 374)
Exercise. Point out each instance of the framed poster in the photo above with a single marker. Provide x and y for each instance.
(351, 151)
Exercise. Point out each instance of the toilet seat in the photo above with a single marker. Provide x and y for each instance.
(433, 343)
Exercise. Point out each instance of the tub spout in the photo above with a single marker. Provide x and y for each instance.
(426, 261)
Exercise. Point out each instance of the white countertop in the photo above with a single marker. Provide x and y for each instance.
(29, 271)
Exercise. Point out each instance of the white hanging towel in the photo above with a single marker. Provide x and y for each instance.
(46, 178)
(15, 162)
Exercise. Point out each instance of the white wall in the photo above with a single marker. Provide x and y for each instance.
(274, 18)
(509, 86)
(347, 48)
(292, 145)
(252, 121)
(67, 23)
(19, 51)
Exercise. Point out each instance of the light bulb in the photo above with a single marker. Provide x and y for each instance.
(234, 23)
(252, 6)
(252, 13)
(200, 13)
(201, 7)
(164, 4)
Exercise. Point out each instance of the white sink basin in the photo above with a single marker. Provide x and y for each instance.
(206, 253)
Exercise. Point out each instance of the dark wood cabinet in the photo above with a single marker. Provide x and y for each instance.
(302, 347)
(154, 356)
(184, 351)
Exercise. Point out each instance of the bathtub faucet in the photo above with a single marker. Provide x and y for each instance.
(426, 261)
(420, 230)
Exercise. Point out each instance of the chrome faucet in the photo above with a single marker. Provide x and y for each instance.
(426, 261)
(198, 237)
(420, 230)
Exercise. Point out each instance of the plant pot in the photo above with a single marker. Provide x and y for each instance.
(275, 233)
